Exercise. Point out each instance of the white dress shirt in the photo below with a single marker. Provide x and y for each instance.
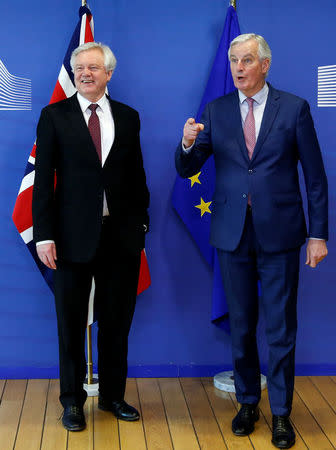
(107, 131)
(106, 122)
(259, 104)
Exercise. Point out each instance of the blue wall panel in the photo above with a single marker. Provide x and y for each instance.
(164, 51)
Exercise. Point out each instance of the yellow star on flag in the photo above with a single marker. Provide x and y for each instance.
(194, 179)
(204, 207)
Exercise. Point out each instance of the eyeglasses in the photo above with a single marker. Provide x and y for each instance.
(93, 68)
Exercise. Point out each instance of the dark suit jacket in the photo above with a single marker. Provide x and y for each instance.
(287, 135)
(71, 215)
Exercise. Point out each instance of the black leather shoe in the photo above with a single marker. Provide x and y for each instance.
(283, 435)
(73, 418)
(243, 423)
(120, 409)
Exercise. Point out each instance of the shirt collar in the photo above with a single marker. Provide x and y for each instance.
(84, 103)
(259, 97)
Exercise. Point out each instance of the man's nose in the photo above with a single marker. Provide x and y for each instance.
(240, 65)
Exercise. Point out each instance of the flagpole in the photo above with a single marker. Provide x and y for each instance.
(89, 332)
(90, 380)
(225, 380)
(91, 383)
(89, 355)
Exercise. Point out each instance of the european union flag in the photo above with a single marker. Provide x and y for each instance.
(192, 196)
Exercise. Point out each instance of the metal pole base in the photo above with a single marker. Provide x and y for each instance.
(92, 389)
(225, 382)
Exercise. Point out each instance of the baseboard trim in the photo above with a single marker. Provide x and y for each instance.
(164, 370)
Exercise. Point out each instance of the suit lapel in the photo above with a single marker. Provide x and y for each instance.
(76, 116)
(117, 129)
(270, 113)
(79, 126)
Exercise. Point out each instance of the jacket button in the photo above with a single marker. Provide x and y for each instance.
(244, 195)
(250, 171)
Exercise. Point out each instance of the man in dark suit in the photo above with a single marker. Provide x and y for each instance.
(257, 135)
(92, 224)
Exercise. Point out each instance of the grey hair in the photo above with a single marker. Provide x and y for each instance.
(264, 51)
(110, 61)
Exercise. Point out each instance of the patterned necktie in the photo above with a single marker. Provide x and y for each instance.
(249, 128)
(94, 128)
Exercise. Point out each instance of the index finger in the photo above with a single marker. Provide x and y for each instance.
(50, 261)
(191, 121)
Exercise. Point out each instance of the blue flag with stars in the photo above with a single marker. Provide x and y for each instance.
(192, 197)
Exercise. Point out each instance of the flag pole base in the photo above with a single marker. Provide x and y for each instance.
(92, 389)
(224, 381)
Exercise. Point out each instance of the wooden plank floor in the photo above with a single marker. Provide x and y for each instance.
(176, 413)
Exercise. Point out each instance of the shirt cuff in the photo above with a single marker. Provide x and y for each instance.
(44, 242)
(188, 149)
(316, 239)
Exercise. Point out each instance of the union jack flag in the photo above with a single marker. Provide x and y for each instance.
(22, 214)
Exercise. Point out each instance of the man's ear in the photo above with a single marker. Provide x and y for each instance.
(265, 65)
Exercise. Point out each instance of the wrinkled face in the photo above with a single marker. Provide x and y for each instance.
(248, 72)
(91, 76)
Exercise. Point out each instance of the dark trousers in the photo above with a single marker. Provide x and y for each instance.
(278, 275)
(115, 270)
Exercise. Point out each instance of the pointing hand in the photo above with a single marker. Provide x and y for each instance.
(190, 132)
